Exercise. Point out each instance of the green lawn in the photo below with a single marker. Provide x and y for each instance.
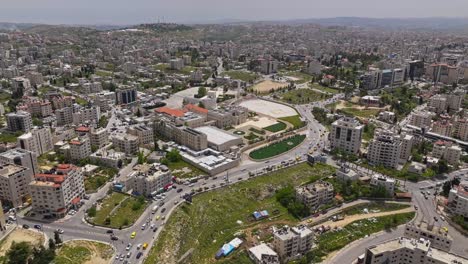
(277, 148)
(98, 179)
(178, 167)
(294, 120)
(303, 96)
(363, 113)
(335, 240)
(380, 206)
(324, 88)
(276, 127)
(103, 73)
(126, 214)
(10, 137)
(242, 75)
(81, 101)
(211, 220)
(79, 252)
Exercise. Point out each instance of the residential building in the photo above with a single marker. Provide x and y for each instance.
(126, 143)
(182, 135)
(263, 254)
(443, 73)
(438, 236)
(407, 142)
(196, 76)
(438, 103)
(38, 140)
(291, 243)
(346, 135)
(176, 64)
(384, 149)
(421, 119)
(268, 66)
(388, 183)
(314, 67)
(21, 157)
(144, 133)
(99, 137)
(80, 148)
(148, 179)
(110, 158)
(315, 194)
(454, 101)
(457, 202)
(64, 116)
(442, 127)
(84, 115)
(20, 120)
(460, 127)
(20, 84)
(447, 150)
(2, 219)
(55, 192)
(126, 96)
(407, 250)
(14, 180)
(372, 79)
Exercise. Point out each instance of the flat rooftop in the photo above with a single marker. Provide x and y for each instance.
(10, 169)
(215, 135)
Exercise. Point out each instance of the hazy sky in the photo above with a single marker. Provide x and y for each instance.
(137, 11)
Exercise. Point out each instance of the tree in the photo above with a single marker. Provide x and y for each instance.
(138, 113)
(19, 253)
(52, 243)
(201, 92)
(442, 166)
(57, 238)
(141, 157)
(92, 211)
(173, 156)
(42, 255)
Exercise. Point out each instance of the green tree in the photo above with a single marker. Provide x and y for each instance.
(57, 238)
(19, 253)
(201, 92)
(173, 156)
(92, 211)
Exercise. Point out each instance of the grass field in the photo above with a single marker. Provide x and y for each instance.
(324, 88)
(182, 169)
(335, 240)
(242, 75)
(277, 148)
(303, 96)
(363, 113)
(9, 137)
(81, 251)
(98, 179)
(381, 207)
(294, 120)
(211, 220)
(128, 210)
(301, 76)
(276, 127)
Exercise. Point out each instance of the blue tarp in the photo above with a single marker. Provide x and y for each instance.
(260, 215)
(227, 249)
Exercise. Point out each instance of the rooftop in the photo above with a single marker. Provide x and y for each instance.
(215, 135)
(10, 169)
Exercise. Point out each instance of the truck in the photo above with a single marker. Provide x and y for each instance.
(154, 209)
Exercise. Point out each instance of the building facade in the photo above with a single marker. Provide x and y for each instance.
(346, 135)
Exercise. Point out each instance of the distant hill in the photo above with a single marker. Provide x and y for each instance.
(163, 27)
(6, 26)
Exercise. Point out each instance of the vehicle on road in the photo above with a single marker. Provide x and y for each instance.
(139, 246)
(179, 190)
(38, 227)
(122, 256)
(163, 210)
(60, 231)
(154, 209)
(143, 227)
(157, 217)
(129, 246)
(138, 256)
(114, 238)
(110, 231)
(25, 226)
(145, 245)
(133, 235)
(436, 219)
(415, 207)
(129, 254)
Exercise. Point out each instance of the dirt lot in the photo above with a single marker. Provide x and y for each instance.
(21, 235)
(95, 253)
(266, 86)
(352, 218)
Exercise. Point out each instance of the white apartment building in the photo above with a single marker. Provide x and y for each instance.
(291, 243)
(84, 115)
(315, 194)
(438, 103)
(99, 137)
(149, 179)
(443, 127)
(458, 200)
(176, 64)
(438, 236)
(386, 182)
(110, 158)
(39, 140)
(409, 251)
(346, 135)
(384, 149)
(14, 180)
(56, 192)
(80, 148)
(21, 157)
(127, 144)
(64, 116)
(421, 119)
(447, 150)
(407, 142)
(263, 254)
(20, 120)
(145, 134)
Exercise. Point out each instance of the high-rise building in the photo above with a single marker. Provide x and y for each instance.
(21, 157)
(64, 116)
(14, 180)
(80, 148)
(443, 73)
(39, 140)
(99, 137)
(20, 120)
(346, 135)
(126, 96)
(421, 119)
(384, 149)
(291, 243)
(57, 191)
(145, 134)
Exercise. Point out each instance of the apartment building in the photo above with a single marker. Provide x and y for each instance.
(438, 236)
(421, 119)
(292, 243)
(315, 194)
(458, 200)
(176, 64)
(460, 127)
(346, 135)
(443, 73)
(37, 108)
(110, 158)
(182, 135)
(64, 116)
(446, 150)
(407, 251)
(384, 149)
(125, 95)
(38, 140)
(385, 182)
(126, 143)
(442, 127)
(145, 134)
(21, 157)
(148, 179)
(21, 120)
(84, 115)
(99, 137)
(55, 192)
(14, 180)
(80, 148)
(407, 142)
(438, 103)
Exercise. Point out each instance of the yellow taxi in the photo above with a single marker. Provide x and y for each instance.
(133, 235)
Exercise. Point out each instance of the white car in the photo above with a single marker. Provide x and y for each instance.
(138, 246)
(143, 226)
(129, 246)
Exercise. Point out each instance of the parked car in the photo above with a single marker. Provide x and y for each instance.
(60, 231)
(129, 246)
(38, 227)
(179, 190)
(138, 256)
(25, 226)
